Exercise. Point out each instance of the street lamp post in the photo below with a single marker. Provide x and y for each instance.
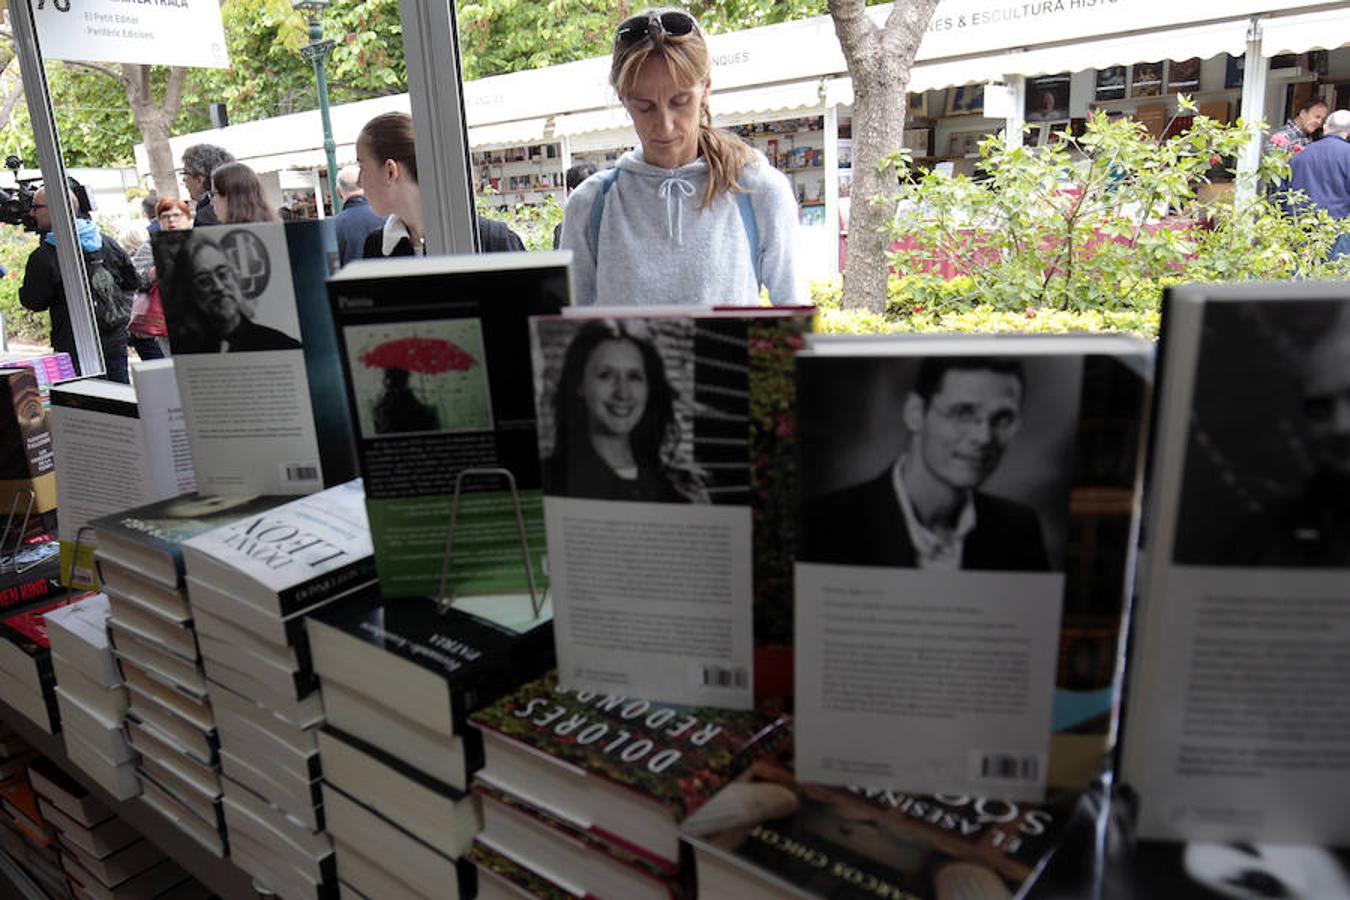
(317, 51)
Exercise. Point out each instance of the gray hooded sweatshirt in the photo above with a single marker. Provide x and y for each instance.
(657, 247)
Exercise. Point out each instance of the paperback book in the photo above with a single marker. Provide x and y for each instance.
(767, 834)
(1234, 727)
(970, 507)
(667, 441)
(628, 770)
(100, 450)
(433, 351)
(27, 462)
(254, 356)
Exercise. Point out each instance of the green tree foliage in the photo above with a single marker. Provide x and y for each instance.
(499, 36)
(1100, 222)
(92, 118)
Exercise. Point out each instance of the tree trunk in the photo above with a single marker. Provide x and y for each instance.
(879, 61)
(155, 120)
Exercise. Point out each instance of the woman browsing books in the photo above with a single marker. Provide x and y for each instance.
(387, 160)
(237, 196)
(695, 216)
(615, 427)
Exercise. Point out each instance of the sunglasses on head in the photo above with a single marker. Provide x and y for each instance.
(671, 24)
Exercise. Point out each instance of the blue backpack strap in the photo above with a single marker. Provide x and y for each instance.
(751, 229)
(607, 179)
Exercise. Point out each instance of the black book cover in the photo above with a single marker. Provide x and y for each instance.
(478, 660)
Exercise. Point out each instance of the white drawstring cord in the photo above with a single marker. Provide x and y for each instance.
(674, 208)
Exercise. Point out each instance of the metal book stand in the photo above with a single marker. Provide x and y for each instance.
(444, 597)
(9, 558)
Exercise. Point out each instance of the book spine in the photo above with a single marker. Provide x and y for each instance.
(325, 587)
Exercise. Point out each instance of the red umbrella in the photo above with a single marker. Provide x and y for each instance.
(415, 354)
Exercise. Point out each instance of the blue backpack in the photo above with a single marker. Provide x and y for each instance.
(747, 211)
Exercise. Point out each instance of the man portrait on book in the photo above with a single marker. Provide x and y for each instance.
(219, 321)
(927, 510)
(1312, 526)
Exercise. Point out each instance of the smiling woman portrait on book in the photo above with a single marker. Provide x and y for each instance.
(615, 424)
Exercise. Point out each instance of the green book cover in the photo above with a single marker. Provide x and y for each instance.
(436, 357)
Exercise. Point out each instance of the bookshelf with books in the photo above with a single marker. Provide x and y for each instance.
(523, 174)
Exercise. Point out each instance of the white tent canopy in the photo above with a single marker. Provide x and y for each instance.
(796, 67)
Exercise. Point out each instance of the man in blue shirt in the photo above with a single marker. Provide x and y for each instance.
(1322, 172)
(357, 220)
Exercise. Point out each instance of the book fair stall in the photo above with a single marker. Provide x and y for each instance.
(351, 600)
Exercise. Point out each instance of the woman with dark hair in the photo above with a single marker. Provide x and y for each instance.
(387, 160)
(695, 216)
(614, 414)
(237, 196)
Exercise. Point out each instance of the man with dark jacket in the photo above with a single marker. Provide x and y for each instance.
(1322, 172)
(357, 220)
(199, 161)
(42, 289)
(927, 509)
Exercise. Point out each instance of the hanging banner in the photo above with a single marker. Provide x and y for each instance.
(150, 32)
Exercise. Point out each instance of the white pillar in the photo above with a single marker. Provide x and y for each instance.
(1256, 70)
(1016, 118)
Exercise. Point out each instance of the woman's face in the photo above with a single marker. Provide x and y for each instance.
(372, 179)
(220, 205)
(614, 387)
(174, 219)
(665, 115)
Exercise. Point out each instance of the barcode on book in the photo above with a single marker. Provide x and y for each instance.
(723, 677)
(1008, 767)
(293, 472)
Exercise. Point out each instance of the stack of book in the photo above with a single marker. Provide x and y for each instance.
(35, 848)
(91, 695)
(170, 722)
(28, 684)
(102, 855)
(399, 677)
(585, 792)
(251, 585)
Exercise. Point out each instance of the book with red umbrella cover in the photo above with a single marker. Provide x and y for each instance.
(436, 353)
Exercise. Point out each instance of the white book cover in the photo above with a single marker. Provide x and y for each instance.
(237, 299)
(101, 463)
(78, 633)
(668, 540)
(167, 450)
(948, 491)
(291, 550)
(1237, 724)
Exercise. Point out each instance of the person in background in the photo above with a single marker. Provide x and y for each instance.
(42, 289)
(147, 317)
(357, 219)
(1299, 131)
(575, 176)
(695, 216)
(1322, 173)
(199, 161)
(387, 159)
(148, 210)
(237, 196)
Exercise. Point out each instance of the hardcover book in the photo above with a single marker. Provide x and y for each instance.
(254, 356)
(970, 507)
(1234, 730)
(630, 769)
(769, 834)
(434, 354)
(667, 441)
